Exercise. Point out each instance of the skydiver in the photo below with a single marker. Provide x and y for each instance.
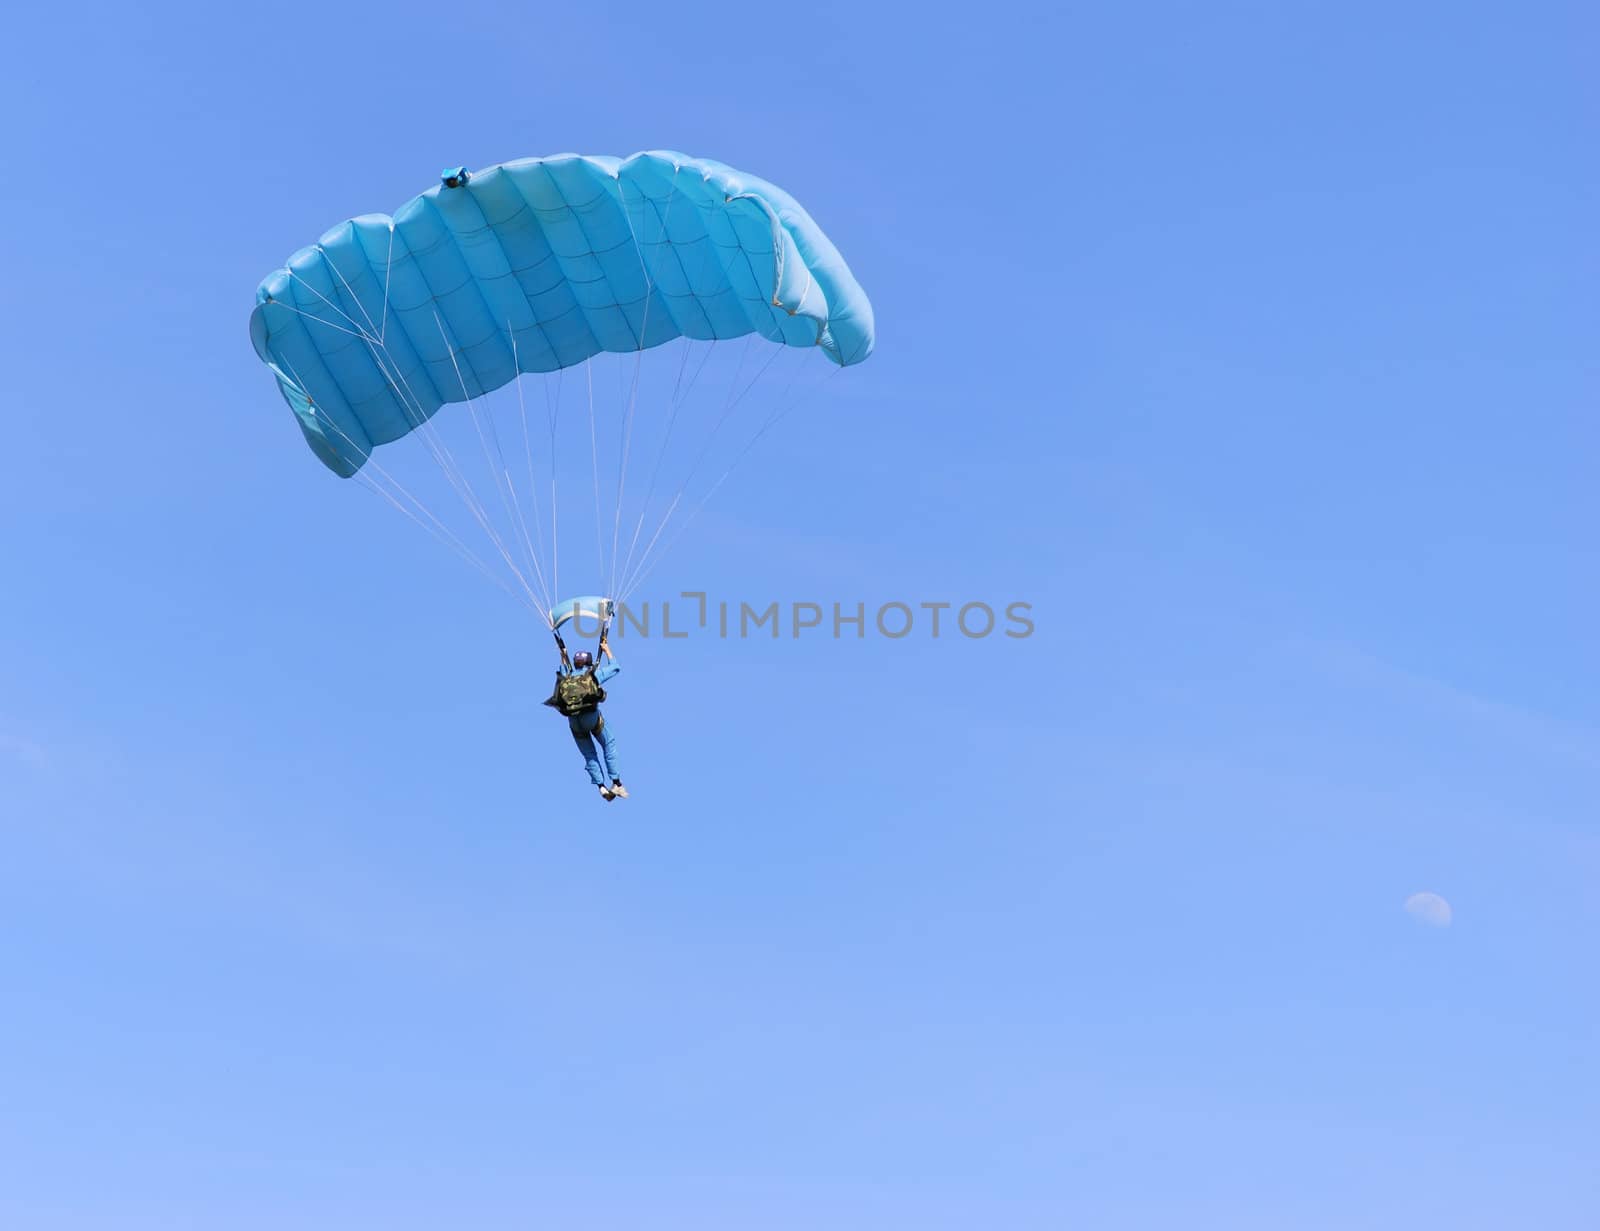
(578, 693)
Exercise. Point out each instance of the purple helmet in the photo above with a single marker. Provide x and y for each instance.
(582, 659)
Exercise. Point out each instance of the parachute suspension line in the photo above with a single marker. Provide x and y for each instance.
(444, 459)
(506, 484)
(372, 327)
(640, 342)
(680, 393)
(677, 496)
(553, 415)
(388, 268)
(349, 290)
(406, 502)
(373, 334)
(674, 405)
(437, 449)
(734, 400)
(679, 400)
(629, 585)
(355, 325)
(664, 229)
(446, 462)
(735, 396)
(627, 445)
(411, 404)
(322, 320)
(781, 408)
(785, 405)
(529, 542)
(441, 534)
(594, 459)
(367, 336)
(489, 461)
(527, 445)
(432, 524)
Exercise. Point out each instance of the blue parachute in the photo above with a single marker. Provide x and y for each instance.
(534, 266)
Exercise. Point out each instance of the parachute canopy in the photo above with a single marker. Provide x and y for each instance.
(534, 266)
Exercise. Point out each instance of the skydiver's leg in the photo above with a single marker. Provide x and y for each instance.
(608, 742)
(591, 757)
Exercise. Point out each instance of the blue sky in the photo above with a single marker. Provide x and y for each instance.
(1253, 345)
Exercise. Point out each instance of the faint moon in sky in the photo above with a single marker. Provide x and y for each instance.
(1429, 908)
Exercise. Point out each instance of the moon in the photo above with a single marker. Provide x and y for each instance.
(1429, 908)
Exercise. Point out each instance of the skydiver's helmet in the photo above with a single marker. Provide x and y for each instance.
(583, 659)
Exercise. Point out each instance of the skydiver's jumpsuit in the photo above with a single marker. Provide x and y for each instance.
(585, 727)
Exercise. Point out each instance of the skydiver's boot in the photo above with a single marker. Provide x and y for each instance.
(606, 793)
(617, 789)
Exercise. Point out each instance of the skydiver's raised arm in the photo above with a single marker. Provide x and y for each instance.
(606, 664)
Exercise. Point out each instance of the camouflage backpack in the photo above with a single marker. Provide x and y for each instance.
(577, 692)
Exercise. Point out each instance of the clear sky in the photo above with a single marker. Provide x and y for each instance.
(1253, 345)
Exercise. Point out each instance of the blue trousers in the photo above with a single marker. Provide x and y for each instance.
(584, 728)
